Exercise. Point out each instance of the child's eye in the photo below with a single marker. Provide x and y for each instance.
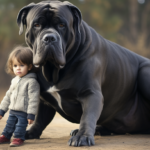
(21, 65)
(15, 65)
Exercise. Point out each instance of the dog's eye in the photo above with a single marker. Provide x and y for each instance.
(36, 25)
(61, 25)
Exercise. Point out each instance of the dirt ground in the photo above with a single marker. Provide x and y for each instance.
(56, 135)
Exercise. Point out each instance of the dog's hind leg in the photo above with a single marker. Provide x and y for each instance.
(74, 132)
(102, 131)
(143, 80)
(143, 88)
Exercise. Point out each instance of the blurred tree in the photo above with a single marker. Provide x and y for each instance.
(134, 33)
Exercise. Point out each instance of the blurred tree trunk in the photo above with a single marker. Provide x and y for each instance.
(144, 24)
(136, 37)
(133, 4)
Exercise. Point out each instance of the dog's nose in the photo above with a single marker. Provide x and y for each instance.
(49, 38)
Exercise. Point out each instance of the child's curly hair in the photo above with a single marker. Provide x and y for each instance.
(23, 55)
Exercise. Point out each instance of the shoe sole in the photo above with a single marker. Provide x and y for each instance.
(15, 145)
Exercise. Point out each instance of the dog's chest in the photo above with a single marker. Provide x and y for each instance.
(54, 92)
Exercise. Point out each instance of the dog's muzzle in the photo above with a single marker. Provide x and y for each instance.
(49, 47)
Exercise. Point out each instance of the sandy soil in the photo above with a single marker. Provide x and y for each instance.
(56, 135)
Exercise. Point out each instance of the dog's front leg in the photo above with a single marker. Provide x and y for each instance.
(44, 117)
(92, 107)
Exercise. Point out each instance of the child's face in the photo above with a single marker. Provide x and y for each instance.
(20, 69)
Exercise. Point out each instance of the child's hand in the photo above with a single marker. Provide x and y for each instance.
(30, 121)
(1, 117)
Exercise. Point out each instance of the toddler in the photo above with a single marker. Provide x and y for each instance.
(22, 98)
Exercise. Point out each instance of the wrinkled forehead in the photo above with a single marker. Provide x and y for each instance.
(57, 10)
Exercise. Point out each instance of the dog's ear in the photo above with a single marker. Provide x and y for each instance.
(76, 13)
(21, 18)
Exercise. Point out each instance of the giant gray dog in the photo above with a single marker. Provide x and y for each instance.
(84, 77)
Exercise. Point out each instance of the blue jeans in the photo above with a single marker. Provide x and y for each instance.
(15, 124)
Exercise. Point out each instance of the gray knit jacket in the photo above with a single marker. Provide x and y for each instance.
(22, 96)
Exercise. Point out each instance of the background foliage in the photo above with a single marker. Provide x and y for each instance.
(125, 22)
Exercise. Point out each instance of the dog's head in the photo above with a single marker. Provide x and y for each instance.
(50, 30)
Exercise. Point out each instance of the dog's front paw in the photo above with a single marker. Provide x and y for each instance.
(33, 133)
(83, 140)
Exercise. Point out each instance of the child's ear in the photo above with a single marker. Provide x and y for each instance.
(30, 67)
